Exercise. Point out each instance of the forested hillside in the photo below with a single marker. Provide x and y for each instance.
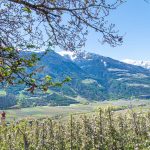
(94, 78)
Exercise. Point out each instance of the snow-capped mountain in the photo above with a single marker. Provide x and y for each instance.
(144, 64)
(95, 77)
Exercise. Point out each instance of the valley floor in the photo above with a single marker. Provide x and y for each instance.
(64, 111)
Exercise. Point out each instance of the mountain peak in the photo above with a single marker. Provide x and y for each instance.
(78, 55)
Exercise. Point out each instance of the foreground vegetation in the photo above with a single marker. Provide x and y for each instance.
(104, 130)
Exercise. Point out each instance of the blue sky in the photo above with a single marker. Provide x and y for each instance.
(132, 19)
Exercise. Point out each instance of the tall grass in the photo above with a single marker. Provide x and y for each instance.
(100, 131)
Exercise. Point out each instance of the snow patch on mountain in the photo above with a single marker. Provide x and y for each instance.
(144, 64)
(75, 55)
(68, 54)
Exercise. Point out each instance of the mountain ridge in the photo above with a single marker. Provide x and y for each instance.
(74, 55)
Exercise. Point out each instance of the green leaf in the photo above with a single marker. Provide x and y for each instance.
(32, 80)
(27, 9)
(48, 78)
(9, 49)
(68, 79)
